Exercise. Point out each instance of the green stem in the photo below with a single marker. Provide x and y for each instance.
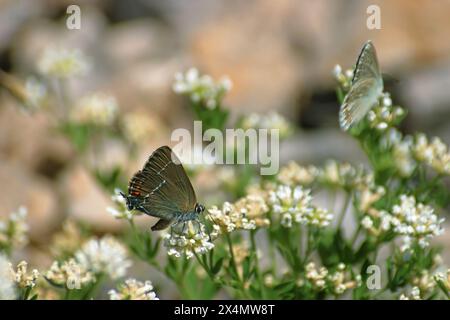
(205, 267)
(309, 245)
(93, 289)
(234, 266)
(348, 198)
(67, 294)
(26, 293)
(257, 271)
(233, 259)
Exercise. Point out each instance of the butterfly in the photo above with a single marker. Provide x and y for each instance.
(162, 189)
(366, 88)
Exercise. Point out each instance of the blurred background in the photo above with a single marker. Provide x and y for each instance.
(279, 55)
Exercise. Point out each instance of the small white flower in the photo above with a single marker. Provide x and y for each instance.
(413, 295)
(435, 153)
(415, 221)
(22, 278)
(367, 222)
(293, 174)
(337, 71)
(294, 205)
(271, 121)
(70, 274)
(13, 231)
(63, 63)
(132, 289)
(404, 161)
(247, 213)
(98, 108)
(201, 89)
(105, 255)
(139, 127)
(187, 239)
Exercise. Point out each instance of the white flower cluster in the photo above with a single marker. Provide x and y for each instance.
(132, 289)
(254, 209)
(436, 154)
(425, 281)
(413, 295)
(408, 151)
(7, 286)
(401, 148)
(344, 175)
(344, 78)
(138, 127)
(99, 109)
(294, 205)
(270, 121)
(413, 221)
(404, 161)
(337, 282)
(202, 89)
(121, 211)
(377, 222)
(384, 115)
(293, 174)
(367, 197)
(443, 279)
(22, 278)
(13, 232)
(70, 274)
(105, 255)
(187, 240)
(332, 174)
(63, 63)
(229, 218)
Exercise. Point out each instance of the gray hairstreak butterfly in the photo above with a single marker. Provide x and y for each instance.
(366, 88)
(162, 189)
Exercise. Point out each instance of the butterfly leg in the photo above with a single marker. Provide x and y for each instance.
(184, 227)
(173, 227)
(199, 227)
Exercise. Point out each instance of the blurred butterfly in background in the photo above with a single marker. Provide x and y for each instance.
(162, 189)
(366, 88)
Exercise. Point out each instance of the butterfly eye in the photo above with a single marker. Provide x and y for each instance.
(199, 208)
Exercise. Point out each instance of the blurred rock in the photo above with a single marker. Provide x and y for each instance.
(266, 72)
(87, 202)
(21, 187)
(315, 147)
(148, 88)
(13, 14)
(29, 140)
(137, 40)
(426, 96)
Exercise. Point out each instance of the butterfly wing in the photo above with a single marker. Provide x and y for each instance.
(163, 186)
(161, 224)
(367, 86)
(367, 64)
(359, 100)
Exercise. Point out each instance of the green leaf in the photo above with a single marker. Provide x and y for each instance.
(217, 266)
